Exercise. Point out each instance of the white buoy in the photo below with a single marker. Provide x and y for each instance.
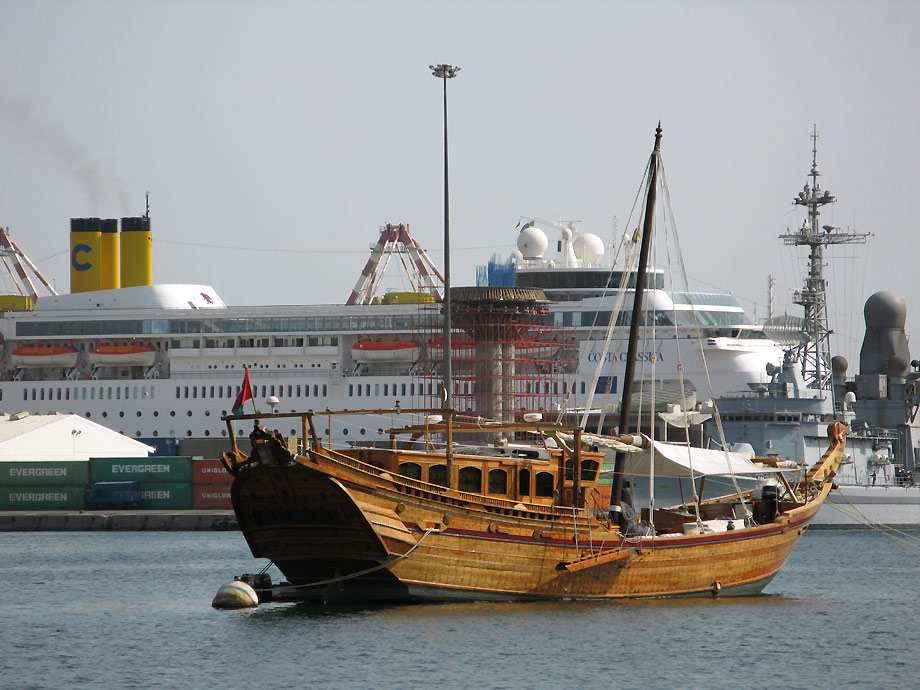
(235, 595)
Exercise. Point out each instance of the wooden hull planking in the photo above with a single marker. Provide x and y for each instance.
(319, 520)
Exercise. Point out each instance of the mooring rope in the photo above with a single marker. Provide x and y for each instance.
(351, 576)
(906, 541)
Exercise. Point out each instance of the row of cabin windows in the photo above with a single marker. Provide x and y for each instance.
(469, 479)
(293, 391)
(359, 389)
(89, 393)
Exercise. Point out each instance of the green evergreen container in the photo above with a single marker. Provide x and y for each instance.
(165, 496)
(156, 468)
(44, 473)
(47, 497)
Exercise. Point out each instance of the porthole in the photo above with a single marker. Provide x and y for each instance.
(156, 413)
(380, 431)
(223, 432)
(207, 432)
(188, 432)
(137, 433)
(87, 415)
(121, 413)
(344, 431)
(105, 414)
(172, 413)
(207, 413)
(156, 433)
(362, 432)
(138, 413)
(293, 432)
(189, 413)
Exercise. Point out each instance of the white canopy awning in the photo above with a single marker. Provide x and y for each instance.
(676, 461)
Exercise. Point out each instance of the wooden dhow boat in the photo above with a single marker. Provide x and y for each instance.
(525, 521)
(520, 515)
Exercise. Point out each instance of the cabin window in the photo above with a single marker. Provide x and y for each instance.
(498, 482)
(470, 479)
(524, 482)
(544, 485)
(386, 388)
(411, 469)
(437, 474)
(324, 390)
(588, 470)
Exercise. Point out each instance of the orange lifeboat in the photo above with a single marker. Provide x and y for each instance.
(122, 355)
(44, 356)
(385, 351)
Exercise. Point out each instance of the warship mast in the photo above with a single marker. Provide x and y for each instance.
(814, 350)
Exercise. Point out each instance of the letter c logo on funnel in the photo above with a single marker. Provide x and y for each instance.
(80, 249)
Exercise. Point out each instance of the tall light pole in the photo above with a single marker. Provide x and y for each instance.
(445, 72)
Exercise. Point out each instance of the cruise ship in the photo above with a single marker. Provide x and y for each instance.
(163, 363)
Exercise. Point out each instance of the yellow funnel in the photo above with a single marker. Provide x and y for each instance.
(136, 252)
(85, 254)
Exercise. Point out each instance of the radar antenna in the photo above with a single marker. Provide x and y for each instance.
(814, 350)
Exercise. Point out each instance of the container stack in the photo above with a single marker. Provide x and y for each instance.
(167, 482)
(210, 485)
(43, 485)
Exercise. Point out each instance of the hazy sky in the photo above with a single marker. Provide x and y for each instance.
(275, 137)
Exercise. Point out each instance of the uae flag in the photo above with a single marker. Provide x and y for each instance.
(245, 394)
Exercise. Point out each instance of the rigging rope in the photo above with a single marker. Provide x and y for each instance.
(906, 541)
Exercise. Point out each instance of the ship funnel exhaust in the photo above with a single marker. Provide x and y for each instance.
(136, 252)
(85, 254)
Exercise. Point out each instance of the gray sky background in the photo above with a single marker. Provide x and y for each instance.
(275, 137)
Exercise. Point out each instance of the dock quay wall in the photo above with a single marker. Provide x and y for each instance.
(118, 521)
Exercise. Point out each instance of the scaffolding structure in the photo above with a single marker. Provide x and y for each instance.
(507, 359)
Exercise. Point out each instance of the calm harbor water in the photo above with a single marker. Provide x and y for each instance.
(121, 609)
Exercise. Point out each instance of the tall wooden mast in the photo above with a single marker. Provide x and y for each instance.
(648, 227)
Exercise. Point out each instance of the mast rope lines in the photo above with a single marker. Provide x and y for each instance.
(395, 239)
(11, 253)
(905, 540)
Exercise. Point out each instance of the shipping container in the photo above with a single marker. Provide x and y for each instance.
(63, 497)
(156, 468)
(165, 496)
(210, 471)
(44, 472)
(211, 497)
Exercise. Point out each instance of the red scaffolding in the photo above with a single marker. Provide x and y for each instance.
(507, 358)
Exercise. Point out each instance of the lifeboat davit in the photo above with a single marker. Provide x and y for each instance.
(459, 349)
(65, 357)
(536, 349)
(122, 355)
(385, 351)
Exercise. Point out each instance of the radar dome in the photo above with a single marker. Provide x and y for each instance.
(532, 242)
(566, 233)
(839, 366)
(885, 310)
(589, 248)
(516, 256)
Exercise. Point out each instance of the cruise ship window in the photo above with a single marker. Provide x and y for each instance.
(367, 389)
(92, 393)
(376, 389)
(324, 390)
(351, 389)
(386, 387)
(83, 395)
(298, 391)
(403, 389)
(212, 391)
(186, 393)
(290, 391)
(359, 390)
(109, 393)
(194, 391)
(42, 393)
